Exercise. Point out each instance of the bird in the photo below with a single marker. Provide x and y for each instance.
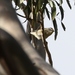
(38, 33)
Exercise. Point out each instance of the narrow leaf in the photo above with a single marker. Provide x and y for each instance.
(63, 26)
(61, 10)
(61, 1)
(47, 12)
(53, 9)
(53, 12)
(68, 2)
(55, 27)
(57, 14)
(57, 3)
(50, 3)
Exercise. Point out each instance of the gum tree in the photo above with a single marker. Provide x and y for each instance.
(20, 49)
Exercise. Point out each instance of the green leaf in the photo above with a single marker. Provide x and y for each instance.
(47, 12)
(57, 3)
(53, 12)
(53, 9)
(68, 2)
(61, 1)
(61, 10)
(50, 3)
(63, 26)
(55, 27)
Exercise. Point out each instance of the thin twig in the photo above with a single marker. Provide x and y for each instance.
(45, 43)
(20, 15)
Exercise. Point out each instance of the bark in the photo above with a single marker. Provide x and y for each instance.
(16, 48)
(39, 45)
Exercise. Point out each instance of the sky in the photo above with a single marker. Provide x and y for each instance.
(63, 48)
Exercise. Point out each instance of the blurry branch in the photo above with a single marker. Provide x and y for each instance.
(4, 70)
(20, 15)
(16, 48)
(15, 58)
(33, 25)
(44, 40)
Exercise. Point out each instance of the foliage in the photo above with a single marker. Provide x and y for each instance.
(34, 12)
(40, 5)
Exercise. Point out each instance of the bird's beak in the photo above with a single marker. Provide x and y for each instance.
(53, 30)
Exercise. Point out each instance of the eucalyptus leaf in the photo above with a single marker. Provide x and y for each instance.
(57, 14)
(53, 11)
(61, 1)
(53, 8)
(55, 28)
(63, 26)
(50, 3)
(68, 2)
(47, 12)
(61, 10)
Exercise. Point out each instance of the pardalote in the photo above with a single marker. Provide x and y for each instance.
(38, 33)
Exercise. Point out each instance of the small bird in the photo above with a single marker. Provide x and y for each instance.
(38, 33)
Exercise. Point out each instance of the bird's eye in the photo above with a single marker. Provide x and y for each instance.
(50, 28)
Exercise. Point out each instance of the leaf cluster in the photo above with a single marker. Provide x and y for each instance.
(40, 5)
(37, 8)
